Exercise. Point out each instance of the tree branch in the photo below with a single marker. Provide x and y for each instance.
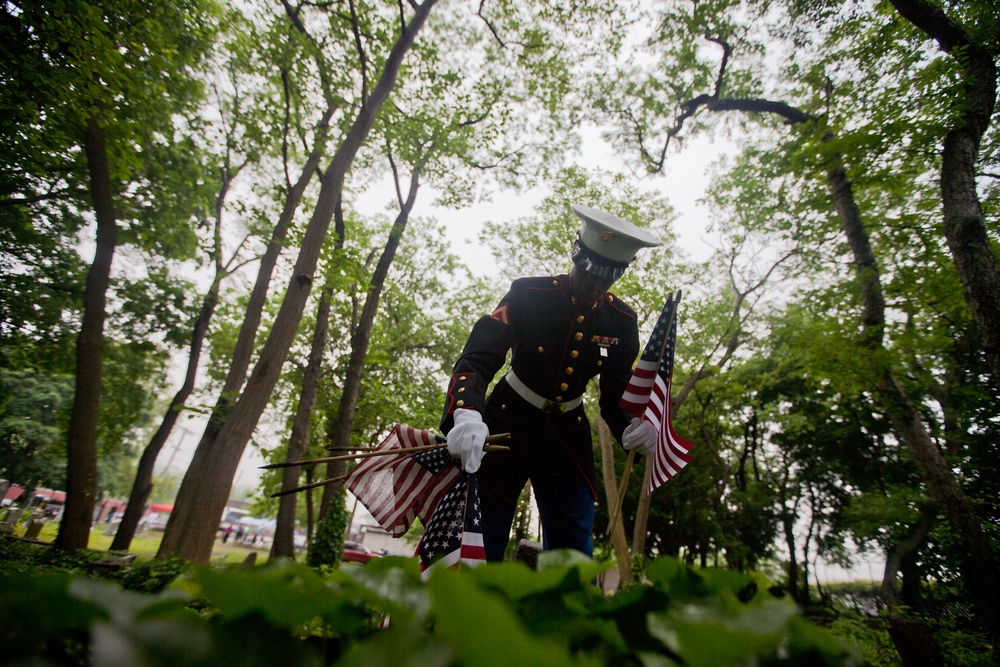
(362, 60)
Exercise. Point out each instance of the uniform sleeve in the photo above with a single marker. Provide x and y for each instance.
(614, 381)
(485, 353)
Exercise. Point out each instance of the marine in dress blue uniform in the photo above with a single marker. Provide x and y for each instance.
(561, 331)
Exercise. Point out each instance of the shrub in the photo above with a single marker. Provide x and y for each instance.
(498, 614)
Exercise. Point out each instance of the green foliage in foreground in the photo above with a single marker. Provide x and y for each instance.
(503, 614)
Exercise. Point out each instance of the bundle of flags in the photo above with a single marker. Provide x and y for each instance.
(648, 397)
(398, 488)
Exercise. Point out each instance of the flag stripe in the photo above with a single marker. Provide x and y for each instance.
(637, 392)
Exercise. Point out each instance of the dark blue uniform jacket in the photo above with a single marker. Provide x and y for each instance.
(557, 347)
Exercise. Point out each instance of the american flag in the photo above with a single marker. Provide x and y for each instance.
(648, 397)
(398, 488)
(454, 533)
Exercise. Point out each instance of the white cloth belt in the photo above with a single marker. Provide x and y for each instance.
(540, 402)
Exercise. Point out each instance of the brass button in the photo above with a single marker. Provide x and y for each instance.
(461, 389)
(579, 419)
(579, 318)
(541, 349)
(462, 378)
(578, 336)
(555, 283)
(460, 403)
(593, 306)
(572, 300)
(569, 370)
(564, 386)
(574, 354)
(600, 363)
(558, 399)
(611, 297)
(503, 406)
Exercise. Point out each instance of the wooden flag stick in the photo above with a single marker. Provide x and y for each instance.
(499, 437)
(616, 511)
(626, 473)
(332, 480)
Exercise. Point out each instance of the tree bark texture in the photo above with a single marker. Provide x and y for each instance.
(201, 499)
(81, 444)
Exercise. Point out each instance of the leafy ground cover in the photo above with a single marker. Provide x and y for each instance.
(384, 614)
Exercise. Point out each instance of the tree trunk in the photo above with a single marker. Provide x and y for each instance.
(142, 486)
(788, 523)
(248, 329)
(617, 539)
(340, 429)
(81, 444)
(911, 636)
(964, 225)
(980, 565)
(243, 348)
(283, 545)
(202, 497)
(310, 505)
(639, 529)
(341, 433)
(298, 441)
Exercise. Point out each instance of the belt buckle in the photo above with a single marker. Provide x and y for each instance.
(552, 406)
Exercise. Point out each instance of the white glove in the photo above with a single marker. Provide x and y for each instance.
(640, 435)
(467, 437)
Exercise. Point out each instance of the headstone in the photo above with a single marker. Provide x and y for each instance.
(527, 552)
(34, 528)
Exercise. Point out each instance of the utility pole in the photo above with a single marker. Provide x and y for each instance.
(185, 432)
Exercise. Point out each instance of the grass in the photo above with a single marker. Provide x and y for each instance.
(145, 546)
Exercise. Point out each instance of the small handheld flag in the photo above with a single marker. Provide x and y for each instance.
(454, 533)
(398, 488)
(648, 397)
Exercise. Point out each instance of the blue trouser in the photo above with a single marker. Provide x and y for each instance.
(565, 506)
